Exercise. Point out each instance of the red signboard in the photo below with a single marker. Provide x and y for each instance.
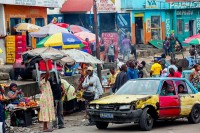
(107, 38)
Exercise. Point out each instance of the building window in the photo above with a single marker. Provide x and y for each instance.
(39, 21)
(180, 26)
(155, 28)
(13, 23)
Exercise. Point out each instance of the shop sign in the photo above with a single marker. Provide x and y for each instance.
(183, 12)
(151, 4)
(183, 5)
(186, 27)
(198, 24)
(43, 3)
(105, 6)
(167, 23)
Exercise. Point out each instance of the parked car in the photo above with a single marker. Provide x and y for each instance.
(145, 100)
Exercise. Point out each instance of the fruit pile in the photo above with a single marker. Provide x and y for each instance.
(22, 104)
(31, 103)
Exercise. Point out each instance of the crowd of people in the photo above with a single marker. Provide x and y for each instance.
(170, 45)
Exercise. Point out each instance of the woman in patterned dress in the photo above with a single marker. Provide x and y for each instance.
(47, 112)
(195, 77)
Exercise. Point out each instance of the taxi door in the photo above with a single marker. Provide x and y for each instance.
(169, 105)
(187, 98)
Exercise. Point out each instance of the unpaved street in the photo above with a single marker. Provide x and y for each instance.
(179, 126)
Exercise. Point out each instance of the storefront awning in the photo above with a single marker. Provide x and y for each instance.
(77, 6)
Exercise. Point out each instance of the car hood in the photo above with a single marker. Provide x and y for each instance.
(120, 99)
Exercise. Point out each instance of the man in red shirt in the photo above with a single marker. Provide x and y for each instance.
(174, 74)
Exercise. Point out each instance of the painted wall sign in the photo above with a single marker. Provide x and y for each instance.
(183, 5)
(43, 3)
(198, 24)
(105, 6)
(167, 23)
(108, 37)
(151, 4)
(185, 12)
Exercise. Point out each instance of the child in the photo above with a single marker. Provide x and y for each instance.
(140, 73)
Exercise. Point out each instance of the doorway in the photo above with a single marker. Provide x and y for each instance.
(192, 27)
(139, 31)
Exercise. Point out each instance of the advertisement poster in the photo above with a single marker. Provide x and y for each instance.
(186, 27)
(148, 25)
(107, 38)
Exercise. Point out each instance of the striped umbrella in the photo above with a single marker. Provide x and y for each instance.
(61, 40)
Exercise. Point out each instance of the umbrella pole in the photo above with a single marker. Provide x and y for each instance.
(97, 38)
(195, 54)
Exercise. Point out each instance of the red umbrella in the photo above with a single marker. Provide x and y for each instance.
(63, 25)
(187, 40)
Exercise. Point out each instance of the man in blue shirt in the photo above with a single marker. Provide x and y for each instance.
(132, 72)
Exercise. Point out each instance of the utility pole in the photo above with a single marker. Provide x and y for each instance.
(97, 38)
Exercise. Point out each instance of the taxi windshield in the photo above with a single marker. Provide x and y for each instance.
(139, 87)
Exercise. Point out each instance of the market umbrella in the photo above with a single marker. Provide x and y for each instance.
(65, 40)
(49, 29)
(84, 35)
(26, 27)
(66, 60)
(82, 57)
(63, 25)
(187, 40)
(46, 53)
(195, 41)
(157, 43)
(77, 28)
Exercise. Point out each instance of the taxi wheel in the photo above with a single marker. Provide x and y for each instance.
(146, 120)
(194, 116)
(101, 125)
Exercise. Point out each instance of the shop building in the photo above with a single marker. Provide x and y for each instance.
(19, 11)
(183, 18)
(110, 15)
(147, 19)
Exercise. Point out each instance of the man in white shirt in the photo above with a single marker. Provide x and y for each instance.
(172, 66)
(92, 83)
